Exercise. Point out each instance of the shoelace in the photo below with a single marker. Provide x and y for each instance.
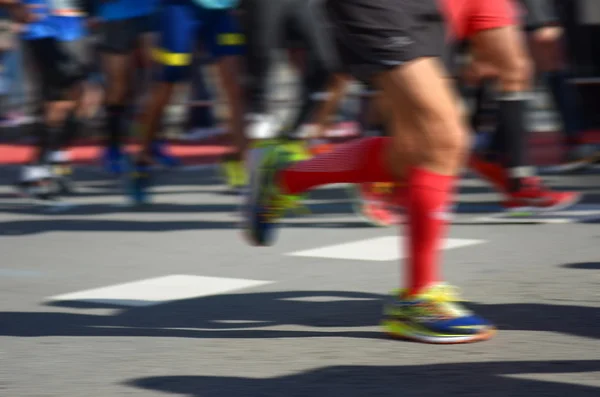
(446, 298)
(443, 293)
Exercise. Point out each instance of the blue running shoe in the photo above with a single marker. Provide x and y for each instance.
(139, 184)
(434, 316)
(160, 155)
(114, 160)
(265, 202)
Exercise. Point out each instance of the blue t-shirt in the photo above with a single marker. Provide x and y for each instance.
(68, 28)
(64, 28)
(125, 9)
(218, 4)
(41, 28)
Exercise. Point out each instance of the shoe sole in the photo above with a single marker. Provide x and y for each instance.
(459, 340)
(540, 210)
(255, 175)
(578, 165)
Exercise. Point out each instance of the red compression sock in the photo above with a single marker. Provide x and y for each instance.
(429, 197)
(353, 162)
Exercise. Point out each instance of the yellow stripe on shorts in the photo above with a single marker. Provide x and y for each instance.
(231, 39)
(165, 57)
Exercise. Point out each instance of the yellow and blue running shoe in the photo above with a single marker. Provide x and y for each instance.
(297, 149)
(234, 173)
(434, 316)
(265, 202)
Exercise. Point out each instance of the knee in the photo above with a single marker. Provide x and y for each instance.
(448, 137)
(516, 73)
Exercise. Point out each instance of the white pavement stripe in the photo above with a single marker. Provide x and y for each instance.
(159, 290)
(375, 249)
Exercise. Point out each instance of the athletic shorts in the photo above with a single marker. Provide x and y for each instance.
(123, 36)
(538, 14)
(373, 36)
(468, 17)
(58, 66)
(185, 27)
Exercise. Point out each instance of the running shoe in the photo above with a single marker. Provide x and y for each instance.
(434, 316)
(38, 183)
(297, 149)
(62, 171)
(139, 184)
(114, 160)
(579, 159)
(234, 173)
(374, 202)
(265, 203)
(161, 156)
(533, 197)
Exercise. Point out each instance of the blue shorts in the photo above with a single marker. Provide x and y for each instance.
(184, 27)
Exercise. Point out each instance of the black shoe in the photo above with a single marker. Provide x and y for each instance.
(62, 173)
(46, 190)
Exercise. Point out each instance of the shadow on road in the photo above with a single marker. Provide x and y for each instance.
(257, 315)
(32, 227)
(476, 379)
(583, 265)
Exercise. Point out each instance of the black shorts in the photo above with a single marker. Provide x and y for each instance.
(539, 13)
(57, 66)
(376, 35)
(123, 36)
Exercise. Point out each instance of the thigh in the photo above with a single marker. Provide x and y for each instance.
(501, 47)
(377, 35)
(425, 94)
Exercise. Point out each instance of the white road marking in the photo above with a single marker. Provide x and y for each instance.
(375, 249)
(159, 290)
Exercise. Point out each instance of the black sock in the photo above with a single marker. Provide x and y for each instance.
(565, 100)
(484, 105)
(114, 114)
(511, 124)
(69, 132)
(496, 151)
(45, 137)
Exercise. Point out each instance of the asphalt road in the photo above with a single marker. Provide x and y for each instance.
(99, 299)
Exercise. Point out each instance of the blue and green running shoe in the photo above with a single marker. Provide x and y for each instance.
(265, 203)
(434, 316)
(139, 184)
